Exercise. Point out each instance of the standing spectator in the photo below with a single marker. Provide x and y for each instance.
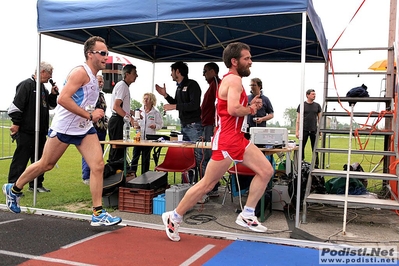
(73, 124)
(229, 145)
(312, 113)
(150, 121)
(208, 114)
(187, 102)
(23, 116)
(101, 128)
(120, 103)
(266, 112)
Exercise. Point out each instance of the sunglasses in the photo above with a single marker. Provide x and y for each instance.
(102, 53)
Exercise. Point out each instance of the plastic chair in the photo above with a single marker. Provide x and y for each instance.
(178, 159)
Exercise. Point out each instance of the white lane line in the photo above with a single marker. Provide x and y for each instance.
(11, 221)
(86, 239)
(197, 255)
(27, 256)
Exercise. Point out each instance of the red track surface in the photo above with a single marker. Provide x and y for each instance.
(136, 246)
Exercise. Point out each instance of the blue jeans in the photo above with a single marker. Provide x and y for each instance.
(192, 132)
(207, 133)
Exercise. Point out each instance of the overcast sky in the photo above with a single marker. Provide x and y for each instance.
(281, 80)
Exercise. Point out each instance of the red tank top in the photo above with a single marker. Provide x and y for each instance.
(229, 134)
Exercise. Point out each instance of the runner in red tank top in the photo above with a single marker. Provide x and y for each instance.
(230, 141)
(229, 145)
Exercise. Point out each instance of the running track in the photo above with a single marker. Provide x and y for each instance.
(28, 239)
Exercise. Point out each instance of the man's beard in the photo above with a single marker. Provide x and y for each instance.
(243, 71)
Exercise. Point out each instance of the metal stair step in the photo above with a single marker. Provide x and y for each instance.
(361, 132)
(358, 99)
(365, 152)
(354, 174)
(353, 201)
(355, 114)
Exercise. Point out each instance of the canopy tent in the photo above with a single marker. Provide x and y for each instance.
(193, 31)
(197, 31)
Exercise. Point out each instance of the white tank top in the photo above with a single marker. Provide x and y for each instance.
(66, 122)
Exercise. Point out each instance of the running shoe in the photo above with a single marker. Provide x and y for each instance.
(12, 199)
(39, 189)
(171, 227)
(104, 219)
(213, 194)
(250, 222)
(42, 190)
(204, 199)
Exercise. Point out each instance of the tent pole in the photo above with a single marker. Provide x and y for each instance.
(37, 114)
(153, 77)
(347, 172)
(299, 171)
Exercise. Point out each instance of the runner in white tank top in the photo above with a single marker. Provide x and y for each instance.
(73, 124)
(66, 122)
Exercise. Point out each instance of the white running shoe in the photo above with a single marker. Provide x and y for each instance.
(171, 226)
(204, 199)
(250, 222)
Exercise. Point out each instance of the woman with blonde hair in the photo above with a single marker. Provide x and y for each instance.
(150, 121)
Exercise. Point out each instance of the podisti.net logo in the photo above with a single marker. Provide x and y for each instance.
(373, 255)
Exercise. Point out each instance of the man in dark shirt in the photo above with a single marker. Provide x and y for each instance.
(266, 112)
(23, 116)
(187, 102)
(311, 116)
(208, 113)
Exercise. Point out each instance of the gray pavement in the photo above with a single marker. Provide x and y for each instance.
(24, 236)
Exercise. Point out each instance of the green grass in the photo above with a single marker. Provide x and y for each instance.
(68, 193)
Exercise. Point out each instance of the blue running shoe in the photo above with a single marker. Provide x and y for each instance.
(104, 219)
(12, 199)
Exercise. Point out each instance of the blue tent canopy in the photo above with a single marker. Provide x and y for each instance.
(171, 30)
(192, 31)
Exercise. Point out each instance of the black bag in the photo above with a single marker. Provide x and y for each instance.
(110, 168)
(113, 177)
(360, 91)
(317, 185)
(112, 183)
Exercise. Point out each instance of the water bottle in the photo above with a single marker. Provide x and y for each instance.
(126, 128)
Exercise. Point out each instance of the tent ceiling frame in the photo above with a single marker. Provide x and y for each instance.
(202, 43)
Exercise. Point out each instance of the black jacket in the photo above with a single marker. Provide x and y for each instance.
(187, 100)
(23, 109)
